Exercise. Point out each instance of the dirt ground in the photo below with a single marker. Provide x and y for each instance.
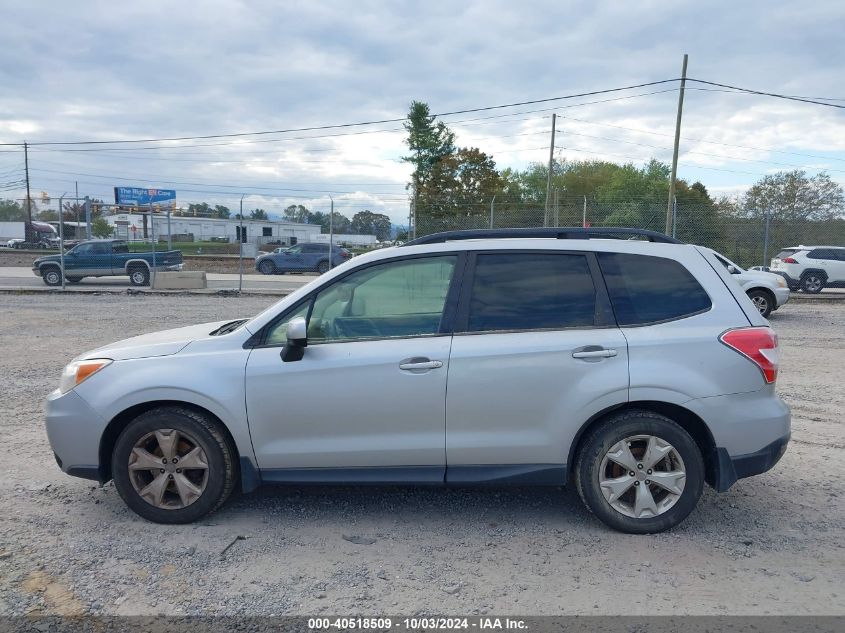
(772, 544)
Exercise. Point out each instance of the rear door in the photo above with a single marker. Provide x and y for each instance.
(290, 259)
(535, 354)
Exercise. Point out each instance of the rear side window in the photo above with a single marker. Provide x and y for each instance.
(821, 253)
(786, 253)
(645, 289)
(531, 291)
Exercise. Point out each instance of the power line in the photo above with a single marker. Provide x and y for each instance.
(768, 94)
(346, 125)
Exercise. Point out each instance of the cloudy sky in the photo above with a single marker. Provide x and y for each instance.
(86, 71)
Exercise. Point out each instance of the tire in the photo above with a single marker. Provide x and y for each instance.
(52, 275)
(179, 502)
(139, 276)
(323, 267)
(813, 283)
(74, 280)
(267, 268)
(593, 461)
(763, 301)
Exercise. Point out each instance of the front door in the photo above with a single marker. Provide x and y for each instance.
(535, 354)
(367, 400)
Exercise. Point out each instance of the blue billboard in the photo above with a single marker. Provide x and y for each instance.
(141, 196)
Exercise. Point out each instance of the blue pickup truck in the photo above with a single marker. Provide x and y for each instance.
(105, 258)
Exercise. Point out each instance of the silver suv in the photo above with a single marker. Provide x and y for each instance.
(635, 368)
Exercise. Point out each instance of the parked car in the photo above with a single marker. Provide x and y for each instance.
(105, 258)
(637, 370)
(811, 268)
(762, 269)
(301, 258)
(766, 290)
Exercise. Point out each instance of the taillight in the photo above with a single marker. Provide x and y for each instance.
(789, 260)
(757, 344)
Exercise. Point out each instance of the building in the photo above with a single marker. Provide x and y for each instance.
(347, 239)
(136, 227)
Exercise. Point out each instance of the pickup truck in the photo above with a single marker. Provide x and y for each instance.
(105, 258)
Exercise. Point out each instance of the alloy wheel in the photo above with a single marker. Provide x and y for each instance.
(168, 469)
(642, 476)
(761, 303)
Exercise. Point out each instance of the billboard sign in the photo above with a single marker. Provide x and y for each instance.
(140, 196)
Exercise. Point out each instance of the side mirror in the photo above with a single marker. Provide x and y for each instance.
(733, 269)
(297, 334)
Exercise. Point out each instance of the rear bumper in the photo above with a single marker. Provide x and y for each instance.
(729, 469)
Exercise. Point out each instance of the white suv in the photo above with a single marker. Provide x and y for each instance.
(811, 268)
(637, 370)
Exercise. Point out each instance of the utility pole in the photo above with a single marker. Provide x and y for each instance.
(677, 144)
(27, 232)
(551, 164)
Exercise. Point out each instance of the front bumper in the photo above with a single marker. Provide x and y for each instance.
(729, 469)
(74, 430)
(781, 296)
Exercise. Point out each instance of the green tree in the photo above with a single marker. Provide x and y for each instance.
(101, 228)
(12, 211)
(221, 212)
(429, 142)
(297, 213)
(793, 197)
(200, 210)
(369, 223)
(258, 214)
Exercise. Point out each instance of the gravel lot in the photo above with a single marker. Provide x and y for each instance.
(772, 544)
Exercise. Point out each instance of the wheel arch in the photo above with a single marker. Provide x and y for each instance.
(119, 422)
(685, 418)
(133, 263)
(767, 291)
(821, 272)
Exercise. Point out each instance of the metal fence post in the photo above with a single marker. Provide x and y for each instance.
(62, 239)
(87, 218)
(241, 247)
(169, 233)
(492, 203)
(153, 242)
(331, 231)
(674, 215)
(766, 238)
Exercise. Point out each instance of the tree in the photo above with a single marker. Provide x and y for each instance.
(200, 210)
(369, 223)
(12, 211)
(429, 143)
(221, 212)
(258, 214)
(791, 196)
(101, 228)
(297, 213)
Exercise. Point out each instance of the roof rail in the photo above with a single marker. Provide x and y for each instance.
(560, 233)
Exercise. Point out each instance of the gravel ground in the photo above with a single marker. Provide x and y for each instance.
(772, 544)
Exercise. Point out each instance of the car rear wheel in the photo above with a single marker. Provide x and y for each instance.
(639, 472)
(139, 276)
(52, 276)
(812, 283)
(173, 465)
(267, 267)
(762, 300)
(323, 267)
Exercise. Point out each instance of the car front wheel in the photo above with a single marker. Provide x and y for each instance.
(639, 472)
(762, 300)
(52, 276)
(173, 465)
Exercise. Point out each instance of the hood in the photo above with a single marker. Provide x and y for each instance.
(164, 343)
(760, 274)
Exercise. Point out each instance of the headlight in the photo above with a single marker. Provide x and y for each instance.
(781, 282)
(78, 371)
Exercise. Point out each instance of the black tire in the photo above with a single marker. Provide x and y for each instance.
(323, 267)
(813, 283)
(139, 275)
(74, 280)
(52, 275)
(616, 428)
(206, 433)
(763, 301)
(267, 267)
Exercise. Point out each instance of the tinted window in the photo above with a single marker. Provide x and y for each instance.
(120, 247)
(528, 291)
(786, 253)
(821, 253)
(394, 299)
(645, 289)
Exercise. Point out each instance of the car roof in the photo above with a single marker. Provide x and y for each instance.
(807, 248)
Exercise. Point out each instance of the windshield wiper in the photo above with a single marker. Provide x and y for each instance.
(228, 327)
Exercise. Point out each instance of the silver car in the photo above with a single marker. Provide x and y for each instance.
(635, 369)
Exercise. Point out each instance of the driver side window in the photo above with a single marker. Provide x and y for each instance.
(391, 300)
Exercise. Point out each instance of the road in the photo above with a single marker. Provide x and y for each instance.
(22, 277)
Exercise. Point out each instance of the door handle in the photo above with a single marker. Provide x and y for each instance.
(593, 352)
(419, 363)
